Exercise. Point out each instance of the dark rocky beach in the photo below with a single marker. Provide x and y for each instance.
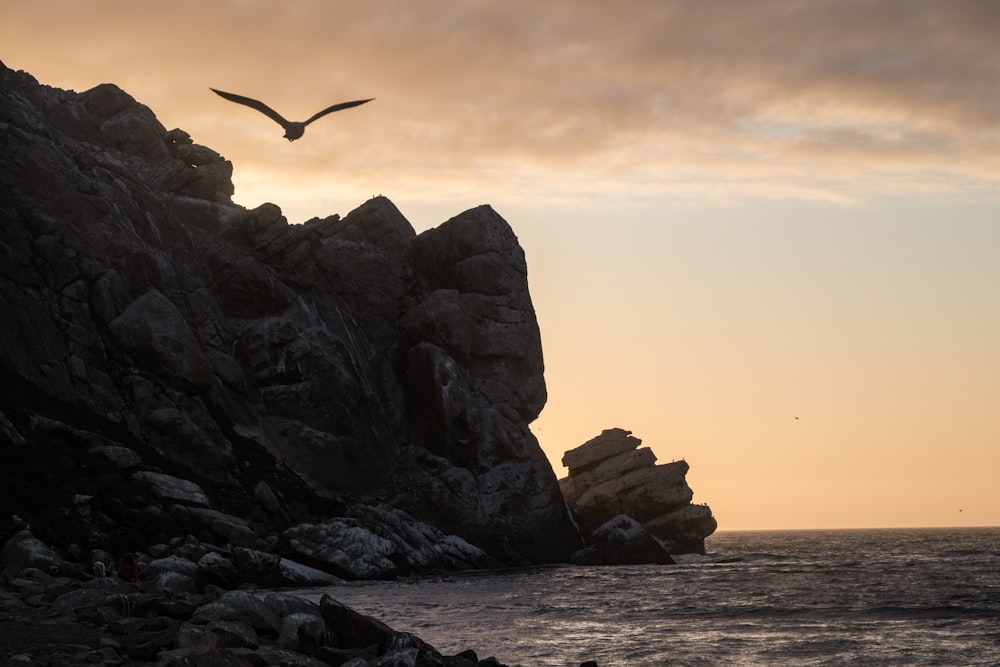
(175, 611)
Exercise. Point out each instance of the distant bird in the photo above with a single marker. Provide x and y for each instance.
(293, 130)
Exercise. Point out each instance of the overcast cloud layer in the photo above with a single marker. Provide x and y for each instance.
(783, 98)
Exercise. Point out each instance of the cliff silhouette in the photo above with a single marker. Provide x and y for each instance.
(167, 352)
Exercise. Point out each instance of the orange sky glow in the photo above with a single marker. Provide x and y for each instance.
(762, 236)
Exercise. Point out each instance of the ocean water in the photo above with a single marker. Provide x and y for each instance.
(843, 597)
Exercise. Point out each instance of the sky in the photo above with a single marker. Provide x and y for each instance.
(762, 236)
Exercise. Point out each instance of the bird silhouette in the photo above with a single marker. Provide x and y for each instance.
(293, 129)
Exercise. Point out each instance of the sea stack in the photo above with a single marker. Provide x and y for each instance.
(611, 475)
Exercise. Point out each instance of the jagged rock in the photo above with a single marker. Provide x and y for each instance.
(168, 487)
(608, 444)
(642, 493)
(233, 634)
(684, 530)
(610, 476)
(216, 569)
(9, 434)
(172, 573)
(264, 613)
(257, 566)
(122, 458)
(154, 568)
(422, 546)
(177, 137)
(197, 156)
(476, 370)
(299, 575)
(342, 547)
(212, 180)
(266, 497)
(354, 630)
(189, 547)
(193, 640)
(152, 328)
(224, 528)
(622, 541)
(142, 638)
(229, 643)
(93, 601)
(24, 550)
(612, 467)
(249, 566)
(379, 543)
(304, 633)
(344, 357)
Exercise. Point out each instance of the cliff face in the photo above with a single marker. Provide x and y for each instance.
(336, 360)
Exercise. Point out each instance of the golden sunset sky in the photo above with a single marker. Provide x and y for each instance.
(763, 236)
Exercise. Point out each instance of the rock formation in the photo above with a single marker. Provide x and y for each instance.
(610, 475)
(622, 541)
(185, 609)
(168, 354)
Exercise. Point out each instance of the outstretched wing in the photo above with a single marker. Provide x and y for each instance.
(253, 104)
(337, 107)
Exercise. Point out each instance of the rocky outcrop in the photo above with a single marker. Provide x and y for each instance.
(610, 476)
(622, 541)
(165, 347)
(183, 612)
(379, 543)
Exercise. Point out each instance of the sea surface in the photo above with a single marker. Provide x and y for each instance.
(837, 597)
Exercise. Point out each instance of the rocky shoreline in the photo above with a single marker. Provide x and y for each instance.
(178, 610)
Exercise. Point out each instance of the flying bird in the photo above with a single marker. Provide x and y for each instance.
(293, 130)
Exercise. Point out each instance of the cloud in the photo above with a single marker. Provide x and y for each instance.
(789, 95)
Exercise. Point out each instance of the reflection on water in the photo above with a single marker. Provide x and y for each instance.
(917, 597)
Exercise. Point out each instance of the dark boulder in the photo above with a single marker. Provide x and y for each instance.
(379, 542)
(353, 630)
(622, 541)
(23, 550)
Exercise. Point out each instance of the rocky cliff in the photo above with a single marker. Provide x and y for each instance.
(288, 371)
(610, 476)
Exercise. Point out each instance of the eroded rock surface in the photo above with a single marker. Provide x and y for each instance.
(610, 475)
(164, 346)
(379, 543)
(183, 612)
(622, 541)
